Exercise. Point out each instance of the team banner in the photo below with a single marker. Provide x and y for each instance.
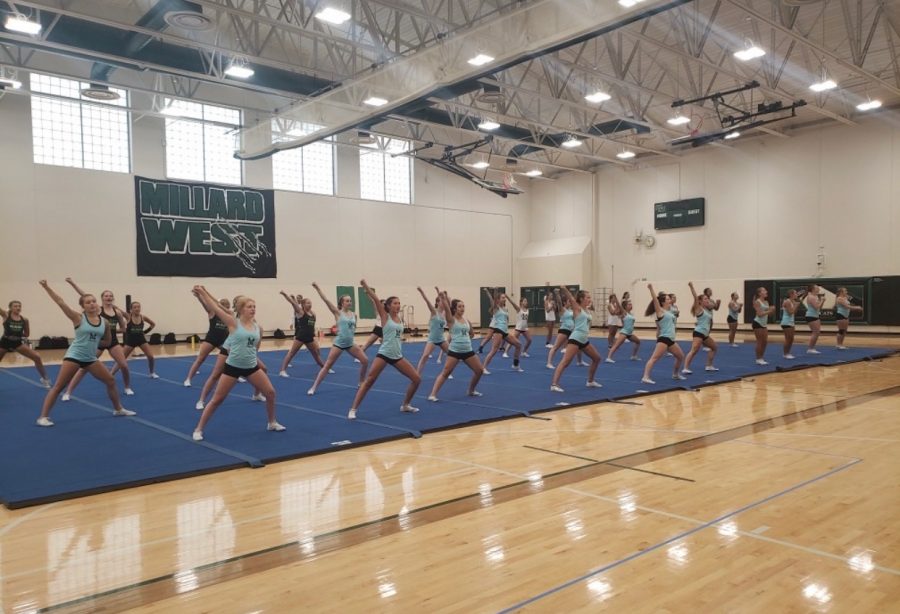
(203, 230)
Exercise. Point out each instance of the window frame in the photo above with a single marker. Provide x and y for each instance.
(203, 123)
(381, 147)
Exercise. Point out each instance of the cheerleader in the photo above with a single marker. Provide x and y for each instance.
(460, 348)
(549, 316)
(216, 335)
(734, 313)
(390, 353)
(15, 330)
(813, 315)
(90, 330)
(665, 321)
(304, 332)
(788, 309)
(761, 323)
(500, 331)
(345, 322)
(703, 310)
(244, 338)
(566, 323)
(521, 329)
(115, 319)
(614, 321)
(626, 332)
(436, 325)
(135, 337)
(842, 315)
(578, 339)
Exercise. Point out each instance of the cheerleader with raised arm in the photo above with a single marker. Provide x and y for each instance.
(137, 327)
(215, 337)
(665, 321)
(500, 331)
(702, 310)
(304, 331)
(436, 324)
(460, 349)
(626, 332)
(550, 310)
(614, 321)
(345, 321)
(390, 353)
(578, 340)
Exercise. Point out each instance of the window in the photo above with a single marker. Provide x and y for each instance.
(382, 176)
(305, 169)
(71, 130)
(200, 142)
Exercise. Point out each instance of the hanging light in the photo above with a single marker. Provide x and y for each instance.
(571, 141)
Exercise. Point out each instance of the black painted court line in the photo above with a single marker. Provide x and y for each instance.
(167, 586)
(665, 475)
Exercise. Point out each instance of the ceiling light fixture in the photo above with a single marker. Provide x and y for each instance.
(535, 172)
(749, 53)
(239, 70)
(480, 60)
(597, 97)
(625, 154)
(868, 106)
(488, 124)
(732, 135)
(10, 83)
(19, 23)
(571, 141)
(629, 3)
(821, 86)
(333, 15)
(480, 164)
(679, 120)
(375, 101)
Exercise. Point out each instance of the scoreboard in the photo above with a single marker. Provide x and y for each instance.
(679, 213)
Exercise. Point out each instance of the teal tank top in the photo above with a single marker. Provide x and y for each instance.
(566, 320)
(627, 325)
(87, 338)
(666, 325)
(460, 341)
(346, 328)
(582, 329)
(811, 312)
(242, 349)
(390, 343)
(501, 319)
(787, 318)
(844, 311)
(762, 320)
(436, 329)
(704, 322)
(733, 313)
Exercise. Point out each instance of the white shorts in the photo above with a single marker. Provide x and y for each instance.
(549, 316)
(614, 321)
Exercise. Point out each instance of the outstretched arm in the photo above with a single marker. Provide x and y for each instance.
(70, 313)
(573, 304)
(427, 302)
(293, 301)
(492, 299)
(3, 313)
(72, 283)
(510, 301)
(695, 307)
(379, 306)
(656, 305)
(325, 300)
(445, 305)
(210, 303)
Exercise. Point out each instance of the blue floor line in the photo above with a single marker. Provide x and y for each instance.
(675, 538)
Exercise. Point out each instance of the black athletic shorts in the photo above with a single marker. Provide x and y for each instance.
(390, 361)
(80, 363)
(9, 344)
(580, 345)
(812, 319)
(223, 352)
(236, 372)
(305, 338)
(216, 340)
(732, 320)
(112, 344)
(378, 332)
(345, 348)
(838, 316)
(460, 355)
(503, 334)
(564, 331)
(700, 335)
(758, 325)
(669, 342)
(787, 326)
(135, 340)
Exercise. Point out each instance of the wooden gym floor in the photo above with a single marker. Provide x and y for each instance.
(773, 495)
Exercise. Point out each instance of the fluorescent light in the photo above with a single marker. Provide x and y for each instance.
(535, 172)
(239, 71)
(628, 3)
(375, 101)
(827, 84)
(488, 124)
(15, 84)
(571, 142)
(864, 106)
(749, 53)
(625, 155)
(333, 15)
(480, 60)
(679, 120)
(732, 135)
(480, 164)
(597, 97)
(17, 23)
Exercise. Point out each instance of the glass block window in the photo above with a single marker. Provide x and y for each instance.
(69, 129)
(200, 142)
(304, 169)
(383, 176)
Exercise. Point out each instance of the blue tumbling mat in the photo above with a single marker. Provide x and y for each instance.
(89, 451)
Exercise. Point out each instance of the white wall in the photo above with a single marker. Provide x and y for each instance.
(62, 222)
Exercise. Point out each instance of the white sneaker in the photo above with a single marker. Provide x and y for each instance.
(518, 369)
(554, 388)
(332, 371)
(549, 346)
(311, 391)
(636, 358)
(582, 364)
(124, 412)
(154, 376)
(593, 384)
(761, 362)
(409, 409)
(789, 357)
(706, 349)
(710, 368)
(44, 422)
(647, 380)
(486, 372)
(197, 436)
(274, 426)
(241, 380)
(505, 355)
(549, 366)
(258, 397)
(474, 393)
(283, 374)
(45, 382)
(525, 354)
(813, 351)
(610, 361)
(129, 392)
(356, 360)
(687, 372)
(734, 345)
(351, 415)
(290, 365)
(199, 406)
(678, 376)
(450, 376)
(187, 383)
(841, 347)
(432, 398)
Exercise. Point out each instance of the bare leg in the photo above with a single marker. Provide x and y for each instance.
(696, 342)
(426, 352)
(814, 328)
(569, 354)
(151, 361)
(126, 350)
(313, 347)
(263, 385)
(762, 339)
(226, 383)
(205, 349)
(98, 370)
(374, 372)
(66, 372)
(732, 329)
(295, 347)
(788, 340)
(496, 342)
(658, 351)
(713, 349)
(560, 342)
(217, 371)
(415, 379)
(442, 377)
(332, 358)
(675, 351)
(637, 345)
(118, 354)
(27, 352)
